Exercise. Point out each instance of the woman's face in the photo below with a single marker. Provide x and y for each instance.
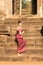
(20, 24)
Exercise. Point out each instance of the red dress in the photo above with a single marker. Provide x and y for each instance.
(20, 42)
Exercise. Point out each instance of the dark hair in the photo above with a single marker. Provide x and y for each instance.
(19, 22)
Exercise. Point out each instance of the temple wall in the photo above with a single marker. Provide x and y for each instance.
(6, 5)
(1, 4)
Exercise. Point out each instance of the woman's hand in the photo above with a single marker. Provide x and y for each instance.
(23, 32)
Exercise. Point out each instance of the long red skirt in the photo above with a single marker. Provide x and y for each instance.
(21, 43)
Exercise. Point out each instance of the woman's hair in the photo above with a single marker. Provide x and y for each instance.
(19, 22)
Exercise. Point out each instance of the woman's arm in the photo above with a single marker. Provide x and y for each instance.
(20, 32)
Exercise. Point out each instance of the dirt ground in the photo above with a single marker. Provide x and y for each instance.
(21, 63)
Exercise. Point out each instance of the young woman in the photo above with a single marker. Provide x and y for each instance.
(21, 43)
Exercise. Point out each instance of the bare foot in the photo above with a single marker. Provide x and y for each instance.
(19, 54)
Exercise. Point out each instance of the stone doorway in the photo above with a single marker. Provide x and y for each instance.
(29, 8)
(34, 6)
(15, 6)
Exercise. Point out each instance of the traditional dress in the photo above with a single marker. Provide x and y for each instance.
(21, 43)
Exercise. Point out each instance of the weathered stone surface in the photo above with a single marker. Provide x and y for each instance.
(32, 35)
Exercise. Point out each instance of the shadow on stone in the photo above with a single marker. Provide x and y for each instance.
(41, 31)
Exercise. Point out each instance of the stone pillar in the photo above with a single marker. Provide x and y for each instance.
(39, 7)
(8, 7)
(15, 6)
(42, 7)
(20, 6)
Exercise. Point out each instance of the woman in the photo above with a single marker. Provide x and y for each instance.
(19, 39)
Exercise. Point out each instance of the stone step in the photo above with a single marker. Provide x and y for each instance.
(32, 27)
(1, 22)
(25, 13)
(29, 44)
(25, 19)
(29, 40)
(27, 26)
(29, 31)
(12, 21)
(21, 58)
(36, 27)
(36, 57)
(2, 17)
(13, 51)
(3, 29)
(35, 20)
(11, 58)
(26, 33)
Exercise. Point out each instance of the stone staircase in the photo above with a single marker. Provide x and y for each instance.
(24, 12)
(32, 35)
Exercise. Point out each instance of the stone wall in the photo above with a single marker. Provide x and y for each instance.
(32, 34)
(1, 4)
(8, 6)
